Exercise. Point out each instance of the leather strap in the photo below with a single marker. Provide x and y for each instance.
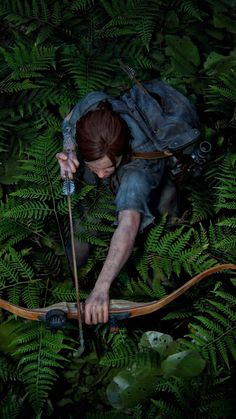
(151, 155)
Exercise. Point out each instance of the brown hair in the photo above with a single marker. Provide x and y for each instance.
(102, 132)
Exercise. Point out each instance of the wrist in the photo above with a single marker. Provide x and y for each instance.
(101, 285)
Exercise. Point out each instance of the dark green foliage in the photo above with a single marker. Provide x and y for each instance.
(213, 327)
(178, 399)
(52, 53)
(123, 351)
(11, 406)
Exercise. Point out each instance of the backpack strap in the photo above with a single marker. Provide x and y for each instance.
(152, 155)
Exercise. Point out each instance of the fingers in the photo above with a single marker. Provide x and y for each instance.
(95, 314)
(74, 159)
(61, 156)
(68, 164)
(66, 171)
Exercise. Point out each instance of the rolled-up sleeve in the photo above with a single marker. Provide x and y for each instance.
(137, 182)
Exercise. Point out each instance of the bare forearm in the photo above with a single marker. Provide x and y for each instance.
(97, 305)
(120, 248)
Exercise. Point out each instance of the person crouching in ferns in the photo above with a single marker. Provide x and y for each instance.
(109, 132)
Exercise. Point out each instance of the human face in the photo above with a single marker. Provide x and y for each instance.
(103, 167)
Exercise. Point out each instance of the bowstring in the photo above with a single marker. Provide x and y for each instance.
(68, 189)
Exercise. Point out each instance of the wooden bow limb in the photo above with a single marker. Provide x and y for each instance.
(117, 307)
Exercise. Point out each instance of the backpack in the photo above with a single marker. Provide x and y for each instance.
(171, 123)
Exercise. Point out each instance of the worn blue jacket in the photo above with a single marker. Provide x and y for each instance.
(158, 120)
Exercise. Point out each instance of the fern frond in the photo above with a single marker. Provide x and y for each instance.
(8, 370)
(11, 405)
(140, 288)
(227, 244)
(7, 273)
(38, 350)
(178, 315)
(87, 237)
(17, 263)
(123, 352)
(47, 263)
(66, 292)
(29, 210)
(14, 87)
(24, 61)
(173, 251)
(221, 95)
(201, 396)
(32, 193)
(31, 295)
(8, 229)
(14, 294)
(169, 410)
(190, 8)
(215, 328)
(89, 73)
(82, 4)
(201, 202)
(154, 235)
(210, 324)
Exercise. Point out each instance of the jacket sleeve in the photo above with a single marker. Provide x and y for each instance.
(69, 128)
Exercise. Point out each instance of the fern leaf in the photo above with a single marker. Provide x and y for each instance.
(39, 358)
(29, 210)
(89, 73)
(154, 235)
(190, 8)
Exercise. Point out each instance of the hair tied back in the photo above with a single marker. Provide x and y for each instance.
(104, 105)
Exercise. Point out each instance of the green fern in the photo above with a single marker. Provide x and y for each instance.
(138, 289)
(214, 329)
(66, 292)
(216, 240)
(221, 95)
(89, 73)
(52, 53)
(24, 62)
(168, 252)
(82, 4)
(7, 273)
(11, 406)
(7, 370)
(202, 204)
(17, 263)
(122, 353)
(202, 397)
(39, 360)
(29, 210)
(190, 8)
(34, 13)
(226, 183)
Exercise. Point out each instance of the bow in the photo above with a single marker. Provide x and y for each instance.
(54, 316)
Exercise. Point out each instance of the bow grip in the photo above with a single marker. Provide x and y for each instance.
(55, 319)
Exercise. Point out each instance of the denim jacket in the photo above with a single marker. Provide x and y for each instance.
(159, 118)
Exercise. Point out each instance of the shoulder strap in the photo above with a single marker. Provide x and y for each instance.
(152, 155)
